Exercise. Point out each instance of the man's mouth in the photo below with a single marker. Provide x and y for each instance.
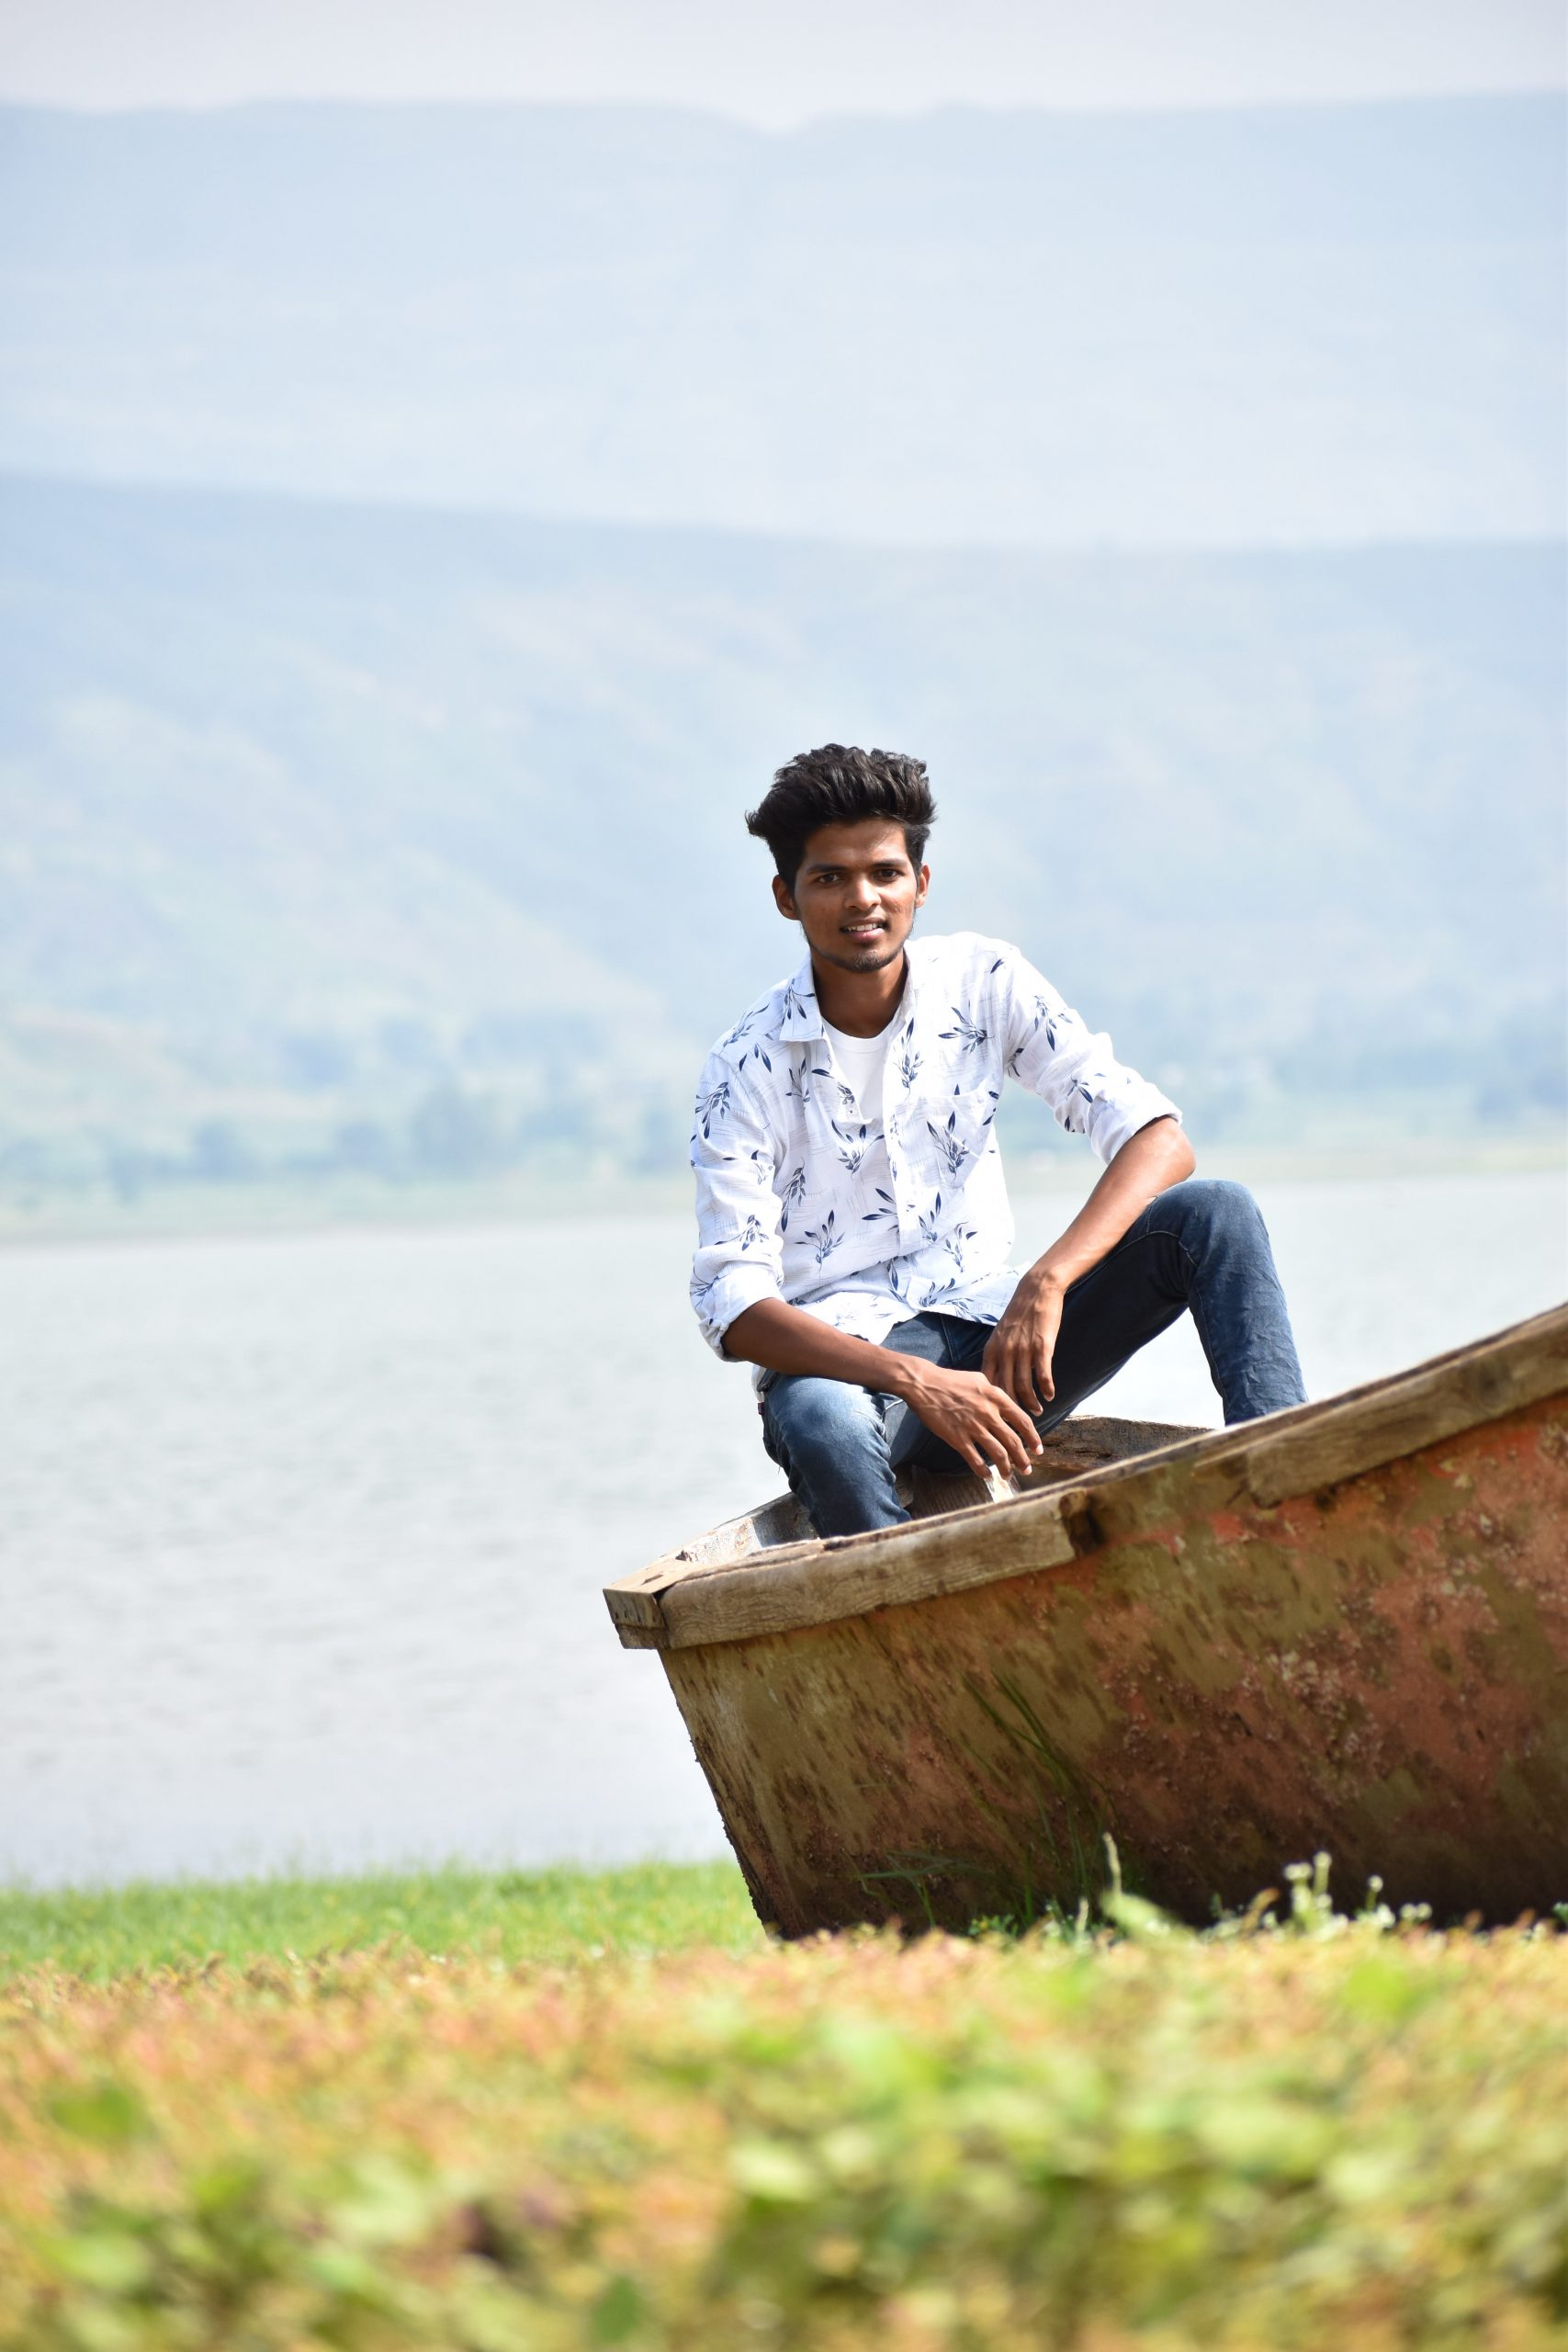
(862, 929)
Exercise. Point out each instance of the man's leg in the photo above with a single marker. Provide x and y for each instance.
(1202, 1246)
(838, 1445)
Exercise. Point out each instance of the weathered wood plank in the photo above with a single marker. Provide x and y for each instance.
(681, 1603)
(642, 1637)
(637, 1601)
(818, 1584)
(633, 1601)
(1078, 1446)
(1345, 1437)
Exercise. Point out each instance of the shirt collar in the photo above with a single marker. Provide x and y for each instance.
(800, 1015)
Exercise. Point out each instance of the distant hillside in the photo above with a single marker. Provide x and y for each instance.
(334, 832)
(1318, 324)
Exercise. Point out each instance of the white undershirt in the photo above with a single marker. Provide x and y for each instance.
(862, 1061)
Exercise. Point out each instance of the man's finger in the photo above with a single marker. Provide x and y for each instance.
(1011, 1374)
(1006, 1365)
(1006, 1453)
(1019, 1425)
(1042, 1379)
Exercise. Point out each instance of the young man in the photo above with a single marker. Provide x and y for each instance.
(853, 1226)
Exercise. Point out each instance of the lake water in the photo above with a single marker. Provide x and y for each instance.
(301, 1538)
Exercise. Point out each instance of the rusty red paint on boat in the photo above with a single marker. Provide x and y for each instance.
(1377, 1666)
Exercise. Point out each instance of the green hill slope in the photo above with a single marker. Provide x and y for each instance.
(414, 838)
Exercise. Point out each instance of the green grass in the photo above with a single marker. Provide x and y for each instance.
(515, 1915)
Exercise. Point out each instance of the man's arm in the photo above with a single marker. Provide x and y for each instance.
(1019, 1352)
(735, 1286)
(974, 1415)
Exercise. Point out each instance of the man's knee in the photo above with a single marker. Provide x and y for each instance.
(1209, 1212)
(815, 1420)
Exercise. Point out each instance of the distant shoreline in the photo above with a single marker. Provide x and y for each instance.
(234, 1211)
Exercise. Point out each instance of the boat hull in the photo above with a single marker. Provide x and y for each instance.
(1228, 1655)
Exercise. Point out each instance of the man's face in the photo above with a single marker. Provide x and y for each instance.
(855, 894)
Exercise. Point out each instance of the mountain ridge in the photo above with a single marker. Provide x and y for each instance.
(323, 822)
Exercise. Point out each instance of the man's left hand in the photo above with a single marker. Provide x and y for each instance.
(1018, 1352)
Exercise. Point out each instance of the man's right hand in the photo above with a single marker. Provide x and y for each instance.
(979, 1421)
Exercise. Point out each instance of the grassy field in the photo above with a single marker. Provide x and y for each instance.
(510, 1916)
(533, 2114)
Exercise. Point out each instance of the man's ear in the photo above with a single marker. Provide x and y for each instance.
(783, 898)
(922, 885)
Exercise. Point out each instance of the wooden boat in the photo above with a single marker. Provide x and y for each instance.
(1342, 1627)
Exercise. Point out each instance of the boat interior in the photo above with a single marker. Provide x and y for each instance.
(1085, 1442)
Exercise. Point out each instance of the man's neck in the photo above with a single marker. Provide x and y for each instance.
(860, 1003)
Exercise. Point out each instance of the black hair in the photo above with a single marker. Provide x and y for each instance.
(838, 785)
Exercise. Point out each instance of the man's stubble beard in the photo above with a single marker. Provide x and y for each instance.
(865, 959)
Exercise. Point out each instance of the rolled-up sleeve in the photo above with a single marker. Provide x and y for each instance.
(739, 1258)
(1071, 1067)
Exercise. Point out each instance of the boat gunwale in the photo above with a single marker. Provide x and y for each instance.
(1275, 1458)
(691, 1558)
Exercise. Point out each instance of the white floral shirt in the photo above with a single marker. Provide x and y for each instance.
(866, 1213)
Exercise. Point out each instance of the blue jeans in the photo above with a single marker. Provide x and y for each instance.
(1201, 1247)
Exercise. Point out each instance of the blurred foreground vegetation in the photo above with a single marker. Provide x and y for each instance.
(1305, 2131)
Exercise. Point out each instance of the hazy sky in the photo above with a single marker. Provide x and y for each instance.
(776, 64)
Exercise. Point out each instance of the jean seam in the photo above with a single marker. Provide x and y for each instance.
(1194, 1308)
(1194, 1300)
(1130, 1240)
(1192, 1297)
